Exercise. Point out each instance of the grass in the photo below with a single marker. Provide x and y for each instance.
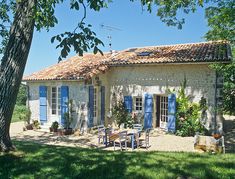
(43, 161)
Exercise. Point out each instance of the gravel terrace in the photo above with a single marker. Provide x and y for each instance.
(158, 140)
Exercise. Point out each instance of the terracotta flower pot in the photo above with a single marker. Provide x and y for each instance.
(29, 127)
(53, 130)
(68, 131)
(216, 136)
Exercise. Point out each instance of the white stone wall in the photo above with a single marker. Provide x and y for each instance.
(135, 80)
(78, 92)
(156, 79)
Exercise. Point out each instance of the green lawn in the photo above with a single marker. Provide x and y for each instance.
(43, 161)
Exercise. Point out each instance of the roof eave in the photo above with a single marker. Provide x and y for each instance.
(172, 63)
(39, 80)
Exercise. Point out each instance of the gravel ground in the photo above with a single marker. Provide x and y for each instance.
(16, 128)
(159, 141)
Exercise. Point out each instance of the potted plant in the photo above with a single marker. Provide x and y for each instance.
(25, 115)
(54, 126)
(36, 124)
(69, 118)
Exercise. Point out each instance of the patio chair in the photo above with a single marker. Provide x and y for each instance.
(144, 141)
(121, 140)
(101, 134)
(138, 127)
(108, 134)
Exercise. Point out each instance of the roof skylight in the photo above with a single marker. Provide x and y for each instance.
(143, 54)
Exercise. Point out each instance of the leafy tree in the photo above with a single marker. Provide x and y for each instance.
(221, 20)
(27, 14)
(22, 96)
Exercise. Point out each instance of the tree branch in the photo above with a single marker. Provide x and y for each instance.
(83, 18)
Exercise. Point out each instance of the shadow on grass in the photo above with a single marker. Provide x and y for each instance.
(44, 161)
(229, 129)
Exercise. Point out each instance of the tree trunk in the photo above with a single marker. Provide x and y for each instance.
(13, 65)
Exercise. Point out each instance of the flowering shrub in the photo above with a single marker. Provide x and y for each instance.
(188, 115)
(121, 115)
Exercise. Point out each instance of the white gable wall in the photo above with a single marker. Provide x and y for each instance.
(78, 92)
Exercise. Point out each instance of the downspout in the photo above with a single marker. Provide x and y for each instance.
(215, 114)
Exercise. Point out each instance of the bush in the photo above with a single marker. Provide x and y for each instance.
(36, 124)
(188, 114)
(22, 96)
(21, 113)
(121, 115)
(54, 126)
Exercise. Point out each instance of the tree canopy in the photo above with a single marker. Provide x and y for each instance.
(221, 20)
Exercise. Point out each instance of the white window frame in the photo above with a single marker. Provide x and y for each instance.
(95, 103)
(138, 104)
(164, 109)
(57, 98)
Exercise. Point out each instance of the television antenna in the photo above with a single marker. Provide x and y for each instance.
(109, 28)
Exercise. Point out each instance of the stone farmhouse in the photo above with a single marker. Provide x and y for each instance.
(141, 77)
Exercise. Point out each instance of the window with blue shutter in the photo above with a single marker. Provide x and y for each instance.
(64, 103)
(102, 115)
(91, 107)
(128, 103)
(171, 113)
(148, 110)
(43, 103)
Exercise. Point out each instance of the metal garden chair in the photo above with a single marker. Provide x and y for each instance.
(144, 141)
(121, 140)
(138, 127)
(101, 134)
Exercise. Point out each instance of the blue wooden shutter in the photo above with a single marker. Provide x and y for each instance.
(171, 113)
(148, 110)
(43, 103)
(91, 106)
(102, 115)
(64, 102)
(128, 103)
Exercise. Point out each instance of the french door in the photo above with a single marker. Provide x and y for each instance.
(162, 111)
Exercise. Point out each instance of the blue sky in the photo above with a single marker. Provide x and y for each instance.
(138, 29)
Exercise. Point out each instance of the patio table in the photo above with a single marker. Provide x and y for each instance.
(112, 136)
(133, 133)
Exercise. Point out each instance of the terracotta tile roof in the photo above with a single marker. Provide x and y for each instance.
(89, 65)
(217, 51)
(74, 68)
